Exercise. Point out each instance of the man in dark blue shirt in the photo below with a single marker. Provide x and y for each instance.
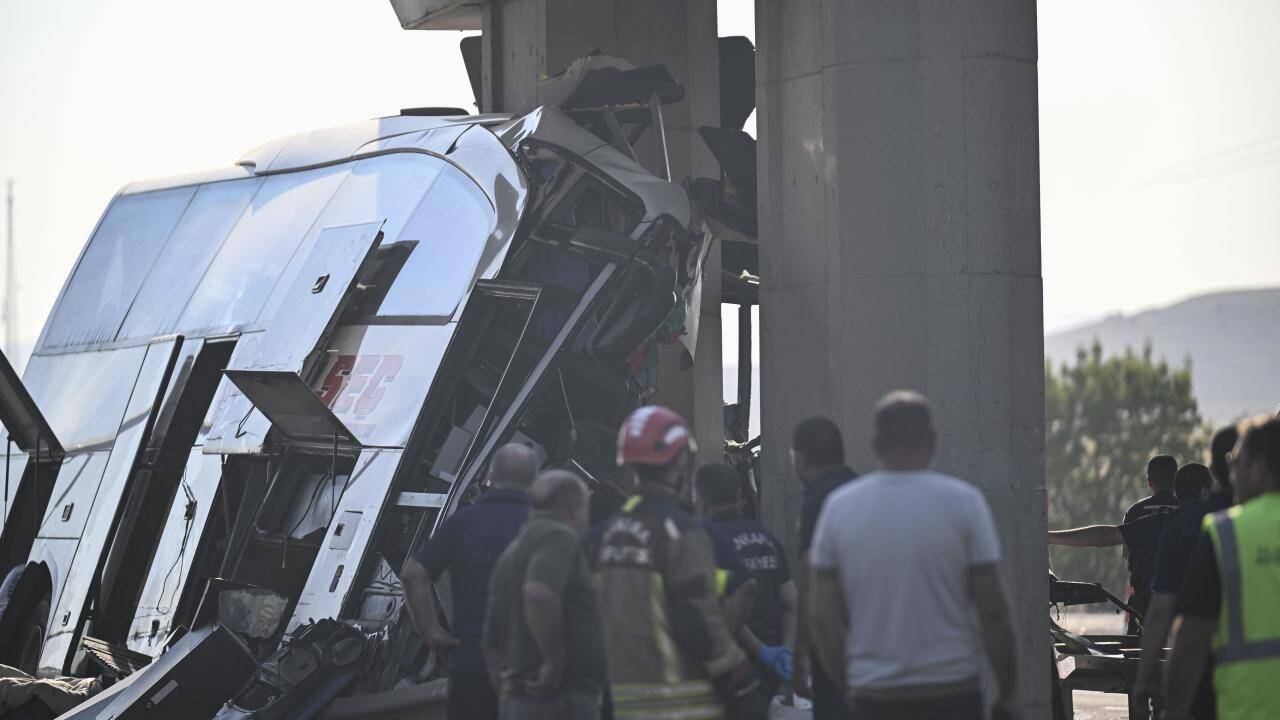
(1141, 536)
(1181, 533)
(468, 545)
(717, 494)
(817, 456)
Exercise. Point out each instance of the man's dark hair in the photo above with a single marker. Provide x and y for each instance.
(717, 484)
(1160, 471)
(1224, 441)
(1191, 482)
(1263, 441)
(819, 441)
(903, 420)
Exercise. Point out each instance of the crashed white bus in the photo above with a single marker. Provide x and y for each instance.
(261, 386)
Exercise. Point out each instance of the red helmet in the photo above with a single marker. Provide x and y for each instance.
(653, 435)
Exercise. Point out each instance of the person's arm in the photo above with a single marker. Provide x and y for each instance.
(982, 551)
(546, 576)
(420, 600)
(738, 604)
(749, 642)
(698, 619)
(494, 636)
(802, 646)
(1155, 630)
(1091, 536)
(1191, 638)
(1198, 606)
(787, 603)
(826, 622)
(997, 633)
(1172, 556)
(544, 614)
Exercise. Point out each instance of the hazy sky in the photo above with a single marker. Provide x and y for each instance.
(1160, 124)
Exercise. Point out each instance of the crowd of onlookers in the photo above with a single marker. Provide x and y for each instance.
(679, 606)
(1204, 564)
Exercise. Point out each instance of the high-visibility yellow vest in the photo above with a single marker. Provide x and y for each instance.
(1246, 646)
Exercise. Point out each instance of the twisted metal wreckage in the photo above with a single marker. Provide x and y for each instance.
(261, 386)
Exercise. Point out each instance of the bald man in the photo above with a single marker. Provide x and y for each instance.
(542, 632)
(468, 545)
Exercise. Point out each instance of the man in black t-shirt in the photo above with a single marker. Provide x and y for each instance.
(817, 456)
(1233, 563)
(1140, 558)
(1140, 536)
(1181, 533)
(1161, 471)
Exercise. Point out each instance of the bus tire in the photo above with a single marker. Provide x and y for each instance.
(32, 635)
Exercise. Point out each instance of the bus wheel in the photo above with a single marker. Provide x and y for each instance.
(32, 636)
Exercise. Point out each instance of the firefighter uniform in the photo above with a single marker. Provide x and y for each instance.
(1246, 645)
(665, 632)
(670, 653)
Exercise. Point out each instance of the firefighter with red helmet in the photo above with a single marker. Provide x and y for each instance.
(670, 651)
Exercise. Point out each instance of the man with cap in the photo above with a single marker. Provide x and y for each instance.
(670, 651)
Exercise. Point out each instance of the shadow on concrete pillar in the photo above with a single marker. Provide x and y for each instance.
(900, 247)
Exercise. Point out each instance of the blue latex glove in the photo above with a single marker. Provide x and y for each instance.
(778, 659)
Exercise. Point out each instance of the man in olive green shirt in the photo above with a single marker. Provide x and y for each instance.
(542, 632)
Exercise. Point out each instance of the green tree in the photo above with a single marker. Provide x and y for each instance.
(1105, 416)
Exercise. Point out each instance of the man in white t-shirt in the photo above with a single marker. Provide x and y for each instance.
(902, 561)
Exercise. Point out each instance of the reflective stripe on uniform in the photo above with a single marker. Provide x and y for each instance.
(662, 631)
(692, 712)
(691, 700)
(1246, 644)
(1232, 593)
(648, 691)
(1260, 650)
(1234, 647)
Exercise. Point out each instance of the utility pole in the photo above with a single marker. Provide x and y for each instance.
(10, 296)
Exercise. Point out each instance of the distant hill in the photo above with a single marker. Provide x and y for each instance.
(1232, 338)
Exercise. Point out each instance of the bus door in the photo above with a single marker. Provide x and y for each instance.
(160, 483)
(76, 581)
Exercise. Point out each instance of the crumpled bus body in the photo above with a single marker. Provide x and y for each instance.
(264, 385)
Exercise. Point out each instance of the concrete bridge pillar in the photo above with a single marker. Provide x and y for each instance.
(899, 226)
(900, 247)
